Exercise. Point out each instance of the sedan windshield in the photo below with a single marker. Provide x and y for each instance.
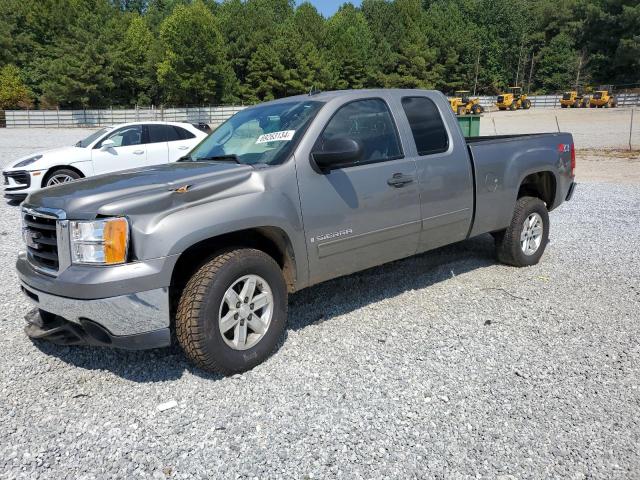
(263, 134)
(84, 143)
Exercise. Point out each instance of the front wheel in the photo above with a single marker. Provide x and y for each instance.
(233, 311)
(525, 239)
(60, 176)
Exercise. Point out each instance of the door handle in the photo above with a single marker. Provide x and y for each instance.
(138, 152)
(398, 180)
(183, 147)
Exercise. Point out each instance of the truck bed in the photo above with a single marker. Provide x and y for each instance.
(501, 162)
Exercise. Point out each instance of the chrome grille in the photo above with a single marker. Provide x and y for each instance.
(40, 234)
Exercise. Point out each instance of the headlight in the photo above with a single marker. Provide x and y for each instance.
(100, 242)
(27, 161)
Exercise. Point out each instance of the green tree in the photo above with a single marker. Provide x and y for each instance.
(134, 58)
(610, 35)
(350, 46)
(74, 70)
(558, 64)
(194, 68)
(13, 92)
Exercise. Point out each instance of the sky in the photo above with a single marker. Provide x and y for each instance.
(328, 7)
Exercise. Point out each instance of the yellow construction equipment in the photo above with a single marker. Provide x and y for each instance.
(462, 104)
(513, 100)
(573, 99)
(603, 98)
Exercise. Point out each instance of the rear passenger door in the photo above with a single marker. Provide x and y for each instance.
(367, 212)
(180, 142)
(443, 170)
(156, 140)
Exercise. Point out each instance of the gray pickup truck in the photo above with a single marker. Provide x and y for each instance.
(282, 196)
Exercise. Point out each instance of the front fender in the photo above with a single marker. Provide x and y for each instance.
(262, 199)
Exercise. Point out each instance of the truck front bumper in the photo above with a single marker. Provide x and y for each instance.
(133, 322)
(112, 313)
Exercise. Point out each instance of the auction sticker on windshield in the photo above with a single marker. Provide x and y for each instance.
(283, 136)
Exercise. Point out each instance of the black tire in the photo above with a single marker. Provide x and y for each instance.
(197, 327)
(477, 109)
(513, 106)
(562, 105)
(526, 104)
(60, 172)
(576, 104)
(508, 247)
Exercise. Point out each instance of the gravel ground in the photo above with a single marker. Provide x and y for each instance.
(446, 365)
(591, 128)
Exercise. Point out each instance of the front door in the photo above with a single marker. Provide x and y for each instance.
(128, 151)
(365, 213)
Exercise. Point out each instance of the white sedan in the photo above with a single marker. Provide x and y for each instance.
(110, 149)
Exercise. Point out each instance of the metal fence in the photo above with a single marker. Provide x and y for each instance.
(212, 116)
(97, 118)
(553, 101)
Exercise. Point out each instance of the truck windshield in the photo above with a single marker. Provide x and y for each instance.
(263, 134)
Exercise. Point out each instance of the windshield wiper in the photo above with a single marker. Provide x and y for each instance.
(217, 158)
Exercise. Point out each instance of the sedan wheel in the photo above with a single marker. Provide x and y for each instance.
(58, 179)
(60, 176)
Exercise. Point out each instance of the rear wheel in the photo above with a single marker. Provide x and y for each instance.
(233, 311)
(525, 239)
(526, 104)
(477, 109)
(60, 176)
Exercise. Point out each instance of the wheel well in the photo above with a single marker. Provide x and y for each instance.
(59, 167)
(541, 185)
(271, 240)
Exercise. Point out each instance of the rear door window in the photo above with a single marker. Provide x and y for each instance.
(426, 124)
(159, 133)
(181, 134)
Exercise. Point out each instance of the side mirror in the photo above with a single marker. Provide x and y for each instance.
(107, 144)
(336, 153)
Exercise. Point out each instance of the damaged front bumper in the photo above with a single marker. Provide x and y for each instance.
(134, 322)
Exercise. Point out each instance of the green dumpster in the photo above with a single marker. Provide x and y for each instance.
(470, 125)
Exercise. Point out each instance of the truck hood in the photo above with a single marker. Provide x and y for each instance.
(143, 190)
(49, 158)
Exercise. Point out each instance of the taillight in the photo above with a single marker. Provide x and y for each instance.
(573, 160)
